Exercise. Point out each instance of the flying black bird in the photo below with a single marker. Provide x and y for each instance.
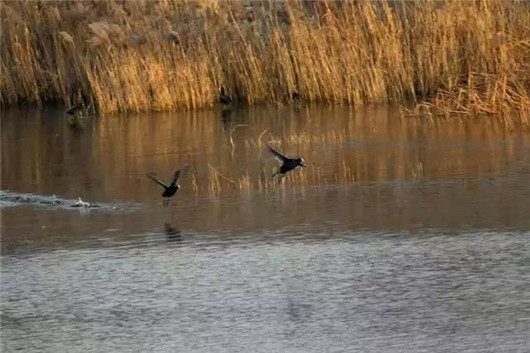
(224, 98)
(169, 190)
(288, 164)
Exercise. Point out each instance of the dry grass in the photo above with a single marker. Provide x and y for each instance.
(483, 96)
(264, 182)
(468, 56)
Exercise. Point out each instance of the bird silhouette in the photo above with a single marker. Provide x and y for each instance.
(295, 96)
(287, 164)
(169, 190)
(224, 98)
(76, 109)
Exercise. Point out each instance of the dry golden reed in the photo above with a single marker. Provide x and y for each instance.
(469, 57)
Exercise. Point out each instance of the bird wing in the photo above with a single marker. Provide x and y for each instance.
(176, 177)
(280, 157)
(157, 181)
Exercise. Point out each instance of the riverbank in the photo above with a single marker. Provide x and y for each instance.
(463, 58)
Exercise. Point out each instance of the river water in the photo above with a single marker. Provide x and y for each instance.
(403, 235)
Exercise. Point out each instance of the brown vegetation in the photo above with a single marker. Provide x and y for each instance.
(467, 56)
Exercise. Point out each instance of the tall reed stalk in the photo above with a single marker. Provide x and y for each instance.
(469, 56)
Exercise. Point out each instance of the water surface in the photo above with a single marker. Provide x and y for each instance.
(403, 235)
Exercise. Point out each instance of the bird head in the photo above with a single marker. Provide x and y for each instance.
(301, 162)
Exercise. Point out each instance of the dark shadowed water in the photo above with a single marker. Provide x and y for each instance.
(403, 235)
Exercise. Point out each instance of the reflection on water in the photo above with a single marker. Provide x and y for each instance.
(109, 158)
(172, 233)
(409, 174)
(405, 235)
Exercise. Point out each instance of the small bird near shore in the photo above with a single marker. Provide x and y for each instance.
(169, 190)
(77, 115)
(224, 98)
(295, 96)
(76, 109)
(287, 164)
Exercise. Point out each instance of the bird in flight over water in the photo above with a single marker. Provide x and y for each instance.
(288, 164)
(169, 190)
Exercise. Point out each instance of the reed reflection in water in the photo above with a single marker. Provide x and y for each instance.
(369, 168)
(109, 157)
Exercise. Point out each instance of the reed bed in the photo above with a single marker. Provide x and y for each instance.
(482, 97)
(175, 54)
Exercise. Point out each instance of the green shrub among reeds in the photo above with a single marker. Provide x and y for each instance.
(467, 56)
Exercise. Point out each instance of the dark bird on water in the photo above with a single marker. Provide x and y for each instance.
(224, 98)
(295, 96)
(169, 190)
(76, 109)
(288, 164)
